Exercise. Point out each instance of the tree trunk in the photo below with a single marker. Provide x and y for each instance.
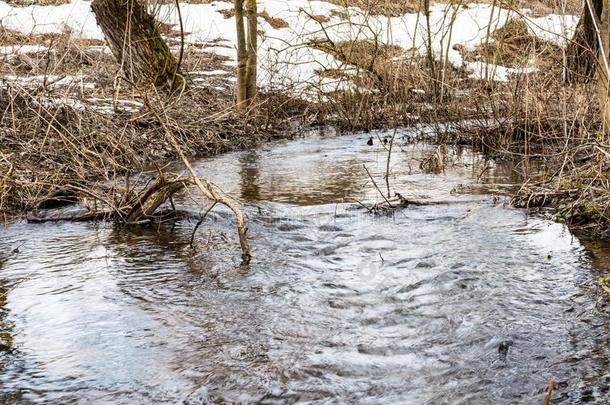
(246, 52)
(252, 16)
(582, 51)
(133, 37)
(602, 65)
(429, 50)
(589, 52)
(242, 56)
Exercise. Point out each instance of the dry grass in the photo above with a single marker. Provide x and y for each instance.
(541, 8)
(393, 8)
(535, 118)
(274, 22)
(26, 3)
(389, 84)
(47, 147)
(12, 37)
(85, 134)
(513, 45)
(397, 8)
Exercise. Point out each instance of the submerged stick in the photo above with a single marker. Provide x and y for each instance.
(201, 222)
(377, 187)
(387, 167)
(548, 394)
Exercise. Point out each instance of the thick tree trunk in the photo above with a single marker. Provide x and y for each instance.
(135, 41)
(582, 51)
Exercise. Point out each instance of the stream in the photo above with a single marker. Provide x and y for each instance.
(464, 300)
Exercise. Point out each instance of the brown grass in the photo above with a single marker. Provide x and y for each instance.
(397, 8)
(47, 142)
(274, 22)
(25, 3)
(393, 8)
(13, 37)
(534, 118)
(512, 45)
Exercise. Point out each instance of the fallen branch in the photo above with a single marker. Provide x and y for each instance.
(152, 198)
(208, 188)
(141, 208)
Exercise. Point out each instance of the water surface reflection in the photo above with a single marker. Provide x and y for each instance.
(336, 306)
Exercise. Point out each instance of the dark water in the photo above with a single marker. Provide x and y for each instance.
(462, 302)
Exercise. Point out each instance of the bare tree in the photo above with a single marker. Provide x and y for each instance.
(135, 41)
(247, 44)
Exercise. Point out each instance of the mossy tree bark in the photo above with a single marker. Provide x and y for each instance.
(136, 43)
(246, 52)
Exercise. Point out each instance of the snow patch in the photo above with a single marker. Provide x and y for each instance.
(285, 59)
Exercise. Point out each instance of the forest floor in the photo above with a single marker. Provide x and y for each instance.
(70, 122)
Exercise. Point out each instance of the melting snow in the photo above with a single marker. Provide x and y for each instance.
(21, 49)
(284, 57)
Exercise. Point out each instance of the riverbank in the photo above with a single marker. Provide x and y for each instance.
(495, 81)
(71, 127)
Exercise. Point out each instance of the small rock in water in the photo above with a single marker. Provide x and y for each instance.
(503, 349)
(289, 227)
(329, 228)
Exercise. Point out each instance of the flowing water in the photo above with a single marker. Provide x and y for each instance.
(461, 301)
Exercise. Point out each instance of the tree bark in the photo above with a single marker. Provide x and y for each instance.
(246, 52)
(429, 51)
(582, 51)
(602, 65)
(588, 53)
(251, 70)
(133, 37)
(242, 56)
